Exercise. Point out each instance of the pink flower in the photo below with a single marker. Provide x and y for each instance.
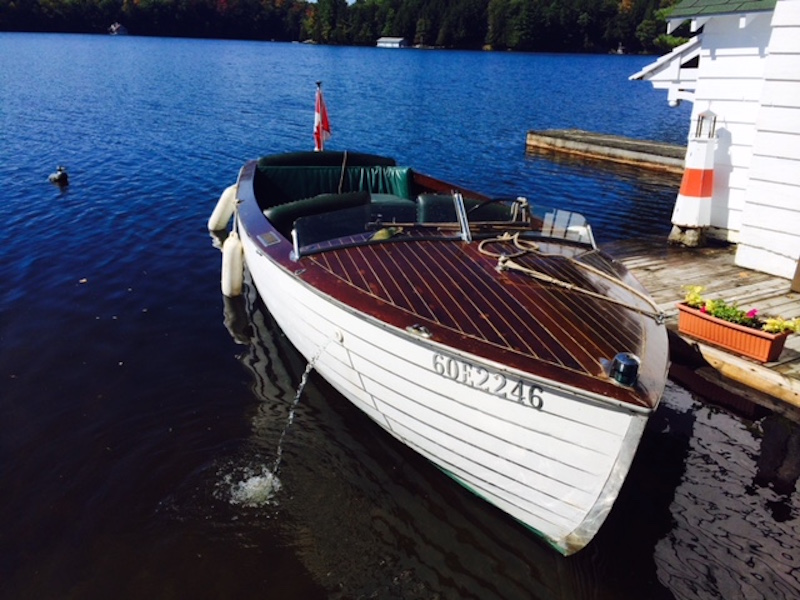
(752, 314)
(703, 309)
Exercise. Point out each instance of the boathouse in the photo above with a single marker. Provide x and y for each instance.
(742, 68)
(392, 42)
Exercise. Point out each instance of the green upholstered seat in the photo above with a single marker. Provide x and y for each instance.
(284, 215)
(388, 208)
(281, 179)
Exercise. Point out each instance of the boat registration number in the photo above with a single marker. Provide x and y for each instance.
(491, 382)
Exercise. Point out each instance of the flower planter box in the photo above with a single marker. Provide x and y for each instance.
(746, 341)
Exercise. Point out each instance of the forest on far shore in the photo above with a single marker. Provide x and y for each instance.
(598, 26)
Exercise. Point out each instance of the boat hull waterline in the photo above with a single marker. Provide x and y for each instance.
(550, 453)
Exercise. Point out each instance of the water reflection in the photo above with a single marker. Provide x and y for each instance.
(235, 319)
(612, 196)
(735, 532)
(778, 465)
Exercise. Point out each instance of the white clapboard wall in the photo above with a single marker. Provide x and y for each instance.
(770, 235)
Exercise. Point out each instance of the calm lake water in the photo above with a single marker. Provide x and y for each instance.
(139, 411)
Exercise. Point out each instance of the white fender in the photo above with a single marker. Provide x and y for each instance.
(223, 210)
(232, 266)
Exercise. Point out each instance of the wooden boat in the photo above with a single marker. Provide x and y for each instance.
(492, 336)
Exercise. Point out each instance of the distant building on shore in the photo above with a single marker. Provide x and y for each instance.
(117, 29)
(743, 66)
(392, 42)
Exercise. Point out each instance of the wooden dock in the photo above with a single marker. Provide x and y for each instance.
(584, 144)
(663, 269)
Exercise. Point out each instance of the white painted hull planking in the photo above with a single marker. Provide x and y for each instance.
(552, 457)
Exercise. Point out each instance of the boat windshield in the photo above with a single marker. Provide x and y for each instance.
(435, 217)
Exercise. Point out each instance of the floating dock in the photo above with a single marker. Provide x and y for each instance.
(584, 144)
(663, 269)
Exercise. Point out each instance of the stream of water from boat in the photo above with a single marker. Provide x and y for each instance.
(261, 489)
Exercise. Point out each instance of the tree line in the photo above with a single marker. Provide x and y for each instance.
(634, 26)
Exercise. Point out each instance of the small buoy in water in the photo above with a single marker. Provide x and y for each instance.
(223, 210)
(60, 177)
(232, 266)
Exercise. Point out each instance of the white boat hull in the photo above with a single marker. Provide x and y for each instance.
(551, 456)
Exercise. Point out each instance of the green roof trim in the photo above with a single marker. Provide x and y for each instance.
(688, 9)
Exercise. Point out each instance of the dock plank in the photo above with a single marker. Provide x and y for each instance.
(665, 269)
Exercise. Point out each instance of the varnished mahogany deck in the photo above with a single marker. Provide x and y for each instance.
(458, 294)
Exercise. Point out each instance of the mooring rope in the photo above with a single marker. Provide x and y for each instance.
(506, 262)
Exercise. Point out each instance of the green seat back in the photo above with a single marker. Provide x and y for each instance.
(283, 216)
(280, 184)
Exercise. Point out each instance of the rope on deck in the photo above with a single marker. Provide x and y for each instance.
(506, 262)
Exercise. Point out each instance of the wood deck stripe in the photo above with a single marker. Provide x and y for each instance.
(565, 308)
(516, 316)
(395, 268)
(562, 316)
(608, 318)
(411, 302)
(487, 301)
(393, 292)
(355, 271)
(479, 298)
(483, 285)
(428, 282)
(583, 357)
(423, 296)
(520, 324)
(454, 276)
(609, 321)
(568, 304)
(363, 270)
(562, 304)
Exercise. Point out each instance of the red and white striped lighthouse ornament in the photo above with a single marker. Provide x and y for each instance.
(692, 213)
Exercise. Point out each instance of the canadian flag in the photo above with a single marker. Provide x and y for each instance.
(322, 127)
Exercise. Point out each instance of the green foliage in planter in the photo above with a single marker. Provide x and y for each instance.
(733, 314)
